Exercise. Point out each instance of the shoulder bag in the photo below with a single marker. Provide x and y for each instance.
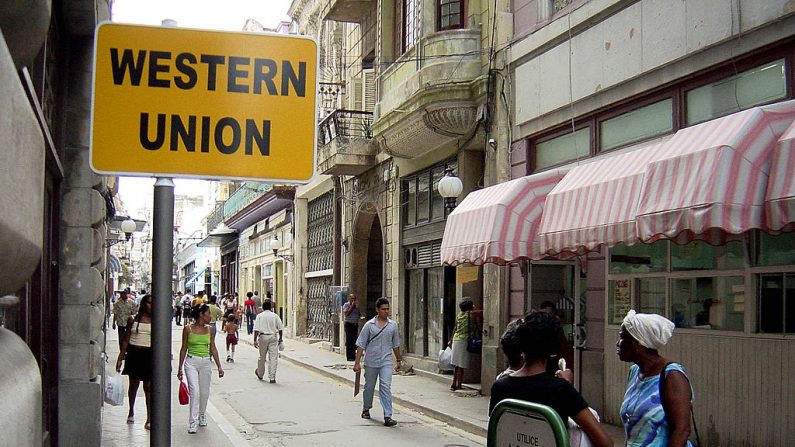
(474, 339)
(692, 416)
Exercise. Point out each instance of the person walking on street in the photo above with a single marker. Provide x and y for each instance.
(352, 314)
(178, 308)
(136, 353)
(232, 336)
(123, 309)
(467, 324)
(186, 300)
(196, 356)
(378, 340)
(251, 312)
(266, 327)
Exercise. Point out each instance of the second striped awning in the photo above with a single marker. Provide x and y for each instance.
(498, 224)
(710, 179)
(780, 196)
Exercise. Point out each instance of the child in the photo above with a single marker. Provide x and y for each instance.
(230, 327)
(510, 347)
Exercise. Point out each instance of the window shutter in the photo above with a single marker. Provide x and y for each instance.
(368, 90)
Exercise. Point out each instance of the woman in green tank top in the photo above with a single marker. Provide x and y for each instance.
(195, 356)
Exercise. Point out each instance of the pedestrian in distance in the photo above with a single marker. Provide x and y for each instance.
(178, 309)
(267, 336)
(136, 354)
(467, 323)
(509, 342)
(539, 334)
(186, 301)
(215, 315)
(123, 309)
(378, 341)
(251, 313)
(232, 336)
(657, 403)
(351, 312)
(195, 357)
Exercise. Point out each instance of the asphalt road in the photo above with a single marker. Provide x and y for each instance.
(304, 408)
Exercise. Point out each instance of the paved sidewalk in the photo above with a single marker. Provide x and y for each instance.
(116, 432)
(466, 410)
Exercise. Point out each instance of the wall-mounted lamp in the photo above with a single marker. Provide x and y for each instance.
(276, 245)
(450, 187)
(127, 227)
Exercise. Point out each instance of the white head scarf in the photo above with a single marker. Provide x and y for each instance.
(650, 330)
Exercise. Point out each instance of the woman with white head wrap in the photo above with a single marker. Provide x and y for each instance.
(654, 414)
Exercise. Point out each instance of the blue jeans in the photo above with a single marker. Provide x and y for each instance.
(371, 375)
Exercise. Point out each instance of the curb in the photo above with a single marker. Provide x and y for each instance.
(435, 414)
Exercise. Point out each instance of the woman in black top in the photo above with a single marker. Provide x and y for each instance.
(539, 337)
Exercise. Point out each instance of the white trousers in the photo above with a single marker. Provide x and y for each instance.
(198, 371)
(268, 345)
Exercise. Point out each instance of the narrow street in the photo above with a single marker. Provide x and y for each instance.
(301, 408)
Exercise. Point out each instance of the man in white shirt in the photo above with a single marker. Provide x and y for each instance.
(266, 327)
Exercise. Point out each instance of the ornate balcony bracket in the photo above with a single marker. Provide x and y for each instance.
(428, 129)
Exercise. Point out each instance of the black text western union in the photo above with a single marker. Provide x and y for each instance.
(243, 75)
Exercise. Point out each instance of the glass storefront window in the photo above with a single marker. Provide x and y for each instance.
(777, 303)
(699, 255)
(709, 303)
(639, 258)
(423, 198)
(563, 148)
(619, 300)
(639, 124)
(415, 343)
(776, 250)
(759, 85)
(651, 296)
(435, 304)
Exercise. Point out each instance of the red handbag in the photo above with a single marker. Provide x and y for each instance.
(184, 393)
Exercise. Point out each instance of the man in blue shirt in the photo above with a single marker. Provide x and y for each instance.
(379, 339)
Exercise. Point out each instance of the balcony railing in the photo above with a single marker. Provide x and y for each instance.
(216, 216)
(345, 144)
(344, 124)
(243, 196)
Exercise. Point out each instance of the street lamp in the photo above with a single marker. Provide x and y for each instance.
(128, 227)
(276, 245)
(450, 187)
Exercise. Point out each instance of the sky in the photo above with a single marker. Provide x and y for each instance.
(228, 15)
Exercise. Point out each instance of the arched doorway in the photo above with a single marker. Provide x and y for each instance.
(367, 261)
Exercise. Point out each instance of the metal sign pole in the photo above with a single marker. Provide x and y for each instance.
(162, 258)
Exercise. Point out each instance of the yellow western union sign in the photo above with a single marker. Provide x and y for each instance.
(208, 104)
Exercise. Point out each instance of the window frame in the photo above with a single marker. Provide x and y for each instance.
(414, 178)
(461, 15)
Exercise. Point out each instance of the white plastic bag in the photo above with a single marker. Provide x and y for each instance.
(114, 390)
(281, 346)
(577, 437)
(445, 359)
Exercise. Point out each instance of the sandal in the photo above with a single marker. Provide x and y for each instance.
(366, 414)
(147, 426)
(130, 420)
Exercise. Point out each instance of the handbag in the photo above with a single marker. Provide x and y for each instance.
(474, 340)
(184, 393)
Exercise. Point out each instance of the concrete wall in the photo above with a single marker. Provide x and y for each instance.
(82, 263)
(21, 177)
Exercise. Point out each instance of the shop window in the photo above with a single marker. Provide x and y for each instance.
(619, 300)
(651, 296)
(638, 125)
(777, 303)
(699, 255)
(708, 303)
(639, 258)
(558, 150)
(449, 14)
(760, 85)
(776, 250)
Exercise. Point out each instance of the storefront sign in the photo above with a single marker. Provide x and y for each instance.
(466, 274)
(207, 104)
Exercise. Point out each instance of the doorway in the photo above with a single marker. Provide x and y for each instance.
(559, 283)
(375, 267)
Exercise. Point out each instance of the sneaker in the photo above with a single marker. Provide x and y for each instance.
(202, 420)
(273, 380)
(389, 422)
(193, 427)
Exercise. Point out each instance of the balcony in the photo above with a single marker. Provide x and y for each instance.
(216, 216)
(353, 11)
(431, 95)
(345, 143)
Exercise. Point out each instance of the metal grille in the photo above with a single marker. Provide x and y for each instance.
(320, 233)
(557, 5)
(320, 308)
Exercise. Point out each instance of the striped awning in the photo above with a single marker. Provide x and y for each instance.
(780, 196)
(710, 179)
(498, 224)
(114, 265)
(595, 204)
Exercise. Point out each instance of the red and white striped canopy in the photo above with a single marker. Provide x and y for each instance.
(712, 176)
(498, 224)
(780, 196)
(595, 204)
